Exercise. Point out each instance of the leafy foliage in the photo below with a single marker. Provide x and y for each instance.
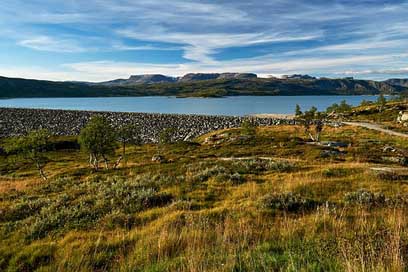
(31, 147)
(248, 127)
(98, 138)
(342, 108)
(312, 118)
(381, 102)
(166, 136)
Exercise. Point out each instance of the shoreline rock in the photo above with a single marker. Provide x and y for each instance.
(19, 121)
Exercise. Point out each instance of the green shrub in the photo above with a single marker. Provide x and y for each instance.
(288, 202)
(365, 198)
(248, 127)
(335, 172)
(97, 198)
(24, 208)
(205, 174)
(236, 178)
(220, 173)
(390, 176)
(254, 166)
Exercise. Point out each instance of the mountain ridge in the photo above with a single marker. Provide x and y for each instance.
(198, 85)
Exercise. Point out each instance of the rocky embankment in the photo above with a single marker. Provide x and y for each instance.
(63, 122)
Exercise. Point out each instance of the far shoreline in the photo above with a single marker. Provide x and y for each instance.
(197, 97)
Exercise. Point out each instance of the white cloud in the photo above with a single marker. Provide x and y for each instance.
(45, 43)
(397, 71)
(124, 47)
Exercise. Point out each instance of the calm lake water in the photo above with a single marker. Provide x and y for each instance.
(235, 105)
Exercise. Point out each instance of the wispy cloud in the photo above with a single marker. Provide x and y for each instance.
(45, 43)
(399, 71)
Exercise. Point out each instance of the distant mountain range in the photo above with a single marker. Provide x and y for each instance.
(201, 85)
(156, 78)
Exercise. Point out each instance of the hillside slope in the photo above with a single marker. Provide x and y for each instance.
(230, 86)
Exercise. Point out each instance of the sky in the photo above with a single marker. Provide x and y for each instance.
(98, 40)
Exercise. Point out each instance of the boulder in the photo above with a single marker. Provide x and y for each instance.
(334, 144)
(402, 117)
(158, 158)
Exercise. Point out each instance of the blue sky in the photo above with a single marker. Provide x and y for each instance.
(96, 40)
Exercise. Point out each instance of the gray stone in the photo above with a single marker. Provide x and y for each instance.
(15, 122)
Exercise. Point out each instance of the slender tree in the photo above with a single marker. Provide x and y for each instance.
(31, 147)
(298, 111)
(166, 136)
(248, 127)
(127, 134)
(381, 101)
(313, 119)
(98, 138)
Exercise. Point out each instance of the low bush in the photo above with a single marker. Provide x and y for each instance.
(288, 202)
(254, 166)
(23, 208)
(220, 173)
(95, 199)
(390, 176)
(205, 174)
(365, 198)
(335, 172)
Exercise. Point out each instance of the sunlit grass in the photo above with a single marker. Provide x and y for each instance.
(269, 203)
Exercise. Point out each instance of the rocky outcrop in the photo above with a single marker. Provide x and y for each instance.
(63, 122)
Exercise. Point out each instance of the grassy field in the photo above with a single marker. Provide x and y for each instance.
(272, 202)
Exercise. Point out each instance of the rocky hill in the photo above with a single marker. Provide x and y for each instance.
(398, 81)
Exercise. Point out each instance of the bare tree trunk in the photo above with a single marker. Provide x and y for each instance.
(317, 137)
(124, 154)
(91, 160)
(40, 169)
(106, 161)
(95, 162)
(311, 137)
(117, 162)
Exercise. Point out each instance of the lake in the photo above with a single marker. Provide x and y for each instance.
(233, 105)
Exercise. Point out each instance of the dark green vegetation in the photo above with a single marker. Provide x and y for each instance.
(11, 87)
(31, 147)
(251, 199)
(384, 113)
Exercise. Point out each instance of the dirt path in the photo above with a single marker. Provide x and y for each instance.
(376, 127)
